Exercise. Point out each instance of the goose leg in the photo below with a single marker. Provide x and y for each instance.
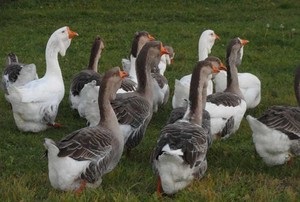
(55, 125)
(159, 187)
(81, 188)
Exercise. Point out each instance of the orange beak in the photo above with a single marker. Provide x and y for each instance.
(217, 37)
(71, 33)
(151, 38)
(215, 69)
(123, 74)
(244, 41)
(163, 50)
(222, 67)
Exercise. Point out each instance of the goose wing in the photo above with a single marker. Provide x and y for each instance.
(91, 143)
(224, 98)
(189, 138)
(283, 118)
(82, 78)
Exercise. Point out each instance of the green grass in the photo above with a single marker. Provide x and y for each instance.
(235, 172)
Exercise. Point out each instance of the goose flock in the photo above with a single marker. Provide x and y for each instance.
(208, 103)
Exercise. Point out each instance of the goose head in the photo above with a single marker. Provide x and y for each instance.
(170, 56)
(215, 61)
(238, 45)
(112, 80)
(139, 40)
(206, 42)
(61, 39)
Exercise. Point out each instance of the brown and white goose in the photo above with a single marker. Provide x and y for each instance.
(139, 40)
(16, 73)
(276, 133)
(82, 158)
(178, 113)
(134, 110)
(87, 75)
(90, 74)
(227, 108)
(249, 85)
(180, 153)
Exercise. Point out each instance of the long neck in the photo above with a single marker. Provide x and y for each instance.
(162, 64)
(94, 60)
(232, 76)
(297, 85)
(107, 114)
(197, 99)
(132, 71)
(52, 65)
(143, 71)
(203, 50)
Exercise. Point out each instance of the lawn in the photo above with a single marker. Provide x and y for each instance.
(235, 172)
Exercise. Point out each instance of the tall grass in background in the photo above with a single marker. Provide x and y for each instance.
(235, 172)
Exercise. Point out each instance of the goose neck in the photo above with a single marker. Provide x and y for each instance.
(94, 61)
(197, 98)
(132, 71)
(52, 64)
(232, 76)
(203, 52)
(144, 82)
(107, 114)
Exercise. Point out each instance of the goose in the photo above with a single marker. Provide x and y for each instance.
(87, 75)
(90, 74)
(134, 110)
(276, 133)
(166, 59)
(178, 113)
(181, 88)
(180, 153)
(16, 73)
(139, 40)
(161, 89)
(84, 156)
(249, 84)
(35, 104)
(181, 93)
(227, 108)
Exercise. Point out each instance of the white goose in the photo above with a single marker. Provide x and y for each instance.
(180, 154)
(249, 84)
(181, 88)
(16, 73)
(227, 108)
(166, 59)
(35, 104)
(82, 158)
(276, 134)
